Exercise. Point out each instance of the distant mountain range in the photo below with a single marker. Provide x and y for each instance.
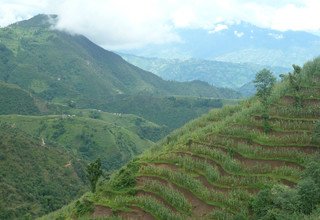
(239, 43)
(216, 73)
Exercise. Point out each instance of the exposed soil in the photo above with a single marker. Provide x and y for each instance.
(166, 166)
(254, 162)
(101, 211)
(272, 163)
(254, 128)
(150, 194)
(136, 214)
(211, 187)
(199, 208)
(290, 100)
(306, 149)
(288, 183)
(272, 118)
(211, 162)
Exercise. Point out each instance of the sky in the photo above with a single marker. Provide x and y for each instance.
(123, 24)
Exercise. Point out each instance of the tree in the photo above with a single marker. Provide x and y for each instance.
(94, 171)
(295, 84)
(264, 83)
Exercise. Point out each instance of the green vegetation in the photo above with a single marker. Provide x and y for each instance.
(264, 83)
(94, 172)
(86, 137)
(14, 100)
(73, 72)
(172, 112)
(35, 179)
(280, 202)
(48, 80)
(64, 68)
(224, 166)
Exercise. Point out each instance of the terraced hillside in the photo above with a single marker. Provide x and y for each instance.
(215, 166)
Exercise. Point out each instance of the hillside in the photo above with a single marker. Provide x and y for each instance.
(216, 73)
(172, 112)
(35, 178)
(14, 100)
(88, 138)
(247, 161)
(55, 150)
(239, 43)
(59, 67)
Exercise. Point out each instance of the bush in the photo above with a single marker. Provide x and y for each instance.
(281, 202)
(83, 207)
(316, 134)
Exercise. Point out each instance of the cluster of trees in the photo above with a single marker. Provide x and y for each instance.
(282, 202)
(94, 172)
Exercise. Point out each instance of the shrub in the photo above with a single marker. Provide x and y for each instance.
(83, 207)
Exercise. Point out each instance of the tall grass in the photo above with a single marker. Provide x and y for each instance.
(173, 197)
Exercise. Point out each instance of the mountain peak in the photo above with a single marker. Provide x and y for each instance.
(40, 20)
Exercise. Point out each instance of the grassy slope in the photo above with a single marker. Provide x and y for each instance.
(213, 166)
(34, 179)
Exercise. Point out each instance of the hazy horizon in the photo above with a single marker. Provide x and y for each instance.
(132, 24)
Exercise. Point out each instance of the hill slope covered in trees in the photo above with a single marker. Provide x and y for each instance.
(35, 177)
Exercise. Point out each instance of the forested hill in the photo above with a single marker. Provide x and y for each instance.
(61, 67)
(257, 160)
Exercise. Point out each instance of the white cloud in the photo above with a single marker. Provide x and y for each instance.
(218, 27)
(123, 23)
(238, 33)
(276, 36)
(117, 24)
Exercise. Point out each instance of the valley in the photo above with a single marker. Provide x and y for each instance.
(159, 110)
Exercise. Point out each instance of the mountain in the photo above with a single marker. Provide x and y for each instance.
(60, 67)
(216, 73)
(240, 43)
(251, 161)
